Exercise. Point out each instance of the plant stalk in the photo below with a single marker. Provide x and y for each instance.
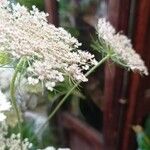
(13, 99)
(72, 89)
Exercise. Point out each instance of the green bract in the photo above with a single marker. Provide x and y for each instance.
(4, 58)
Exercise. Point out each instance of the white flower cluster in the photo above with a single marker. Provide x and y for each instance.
(121, 46)
(4, 106)
(13, 142)
(52, 53)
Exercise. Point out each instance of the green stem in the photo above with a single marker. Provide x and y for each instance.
(72, 89)
(13, 98)
(96, 66)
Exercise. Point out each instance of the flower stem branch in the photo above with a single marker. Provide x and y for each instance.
(71, 90)
(13, 98)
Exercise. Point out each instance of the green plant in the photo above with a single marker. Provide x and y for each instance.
(29, 3)
(142, 139)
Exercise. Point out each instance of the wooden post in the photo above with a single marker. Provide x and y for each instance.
(138, 106)
(51, 7)
(118, 15)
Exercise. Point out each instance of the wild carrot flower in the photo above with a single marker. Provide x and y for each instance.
(12, 142)
(119, 47)
(51, 53)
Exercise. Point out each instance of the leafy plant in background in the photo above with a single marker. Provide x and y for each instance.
(143, 134)
(27, 131)
(147, 126)
(29, 3)
(67, 14)
(50, 56)
(143, 139)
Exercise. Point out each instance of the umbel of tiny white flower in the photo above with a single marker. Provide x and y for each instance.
(12, 142)
(50, 53)
(119, 47)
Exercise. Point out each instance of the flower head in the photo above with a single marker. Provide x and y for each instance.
(49, 51)
(13, 141)
(119, 47)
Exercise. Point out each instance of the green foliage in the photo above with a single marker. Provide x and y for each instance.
(4, 58)
(27, 132)
(21, 65)
(104, 49)
(85, 4)
(29, 3)
(65, 5)
(34, 88)
(69, 5)
(147, 126)
(47, 137)
(142, 139)
(63, 88)
(73, 31)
